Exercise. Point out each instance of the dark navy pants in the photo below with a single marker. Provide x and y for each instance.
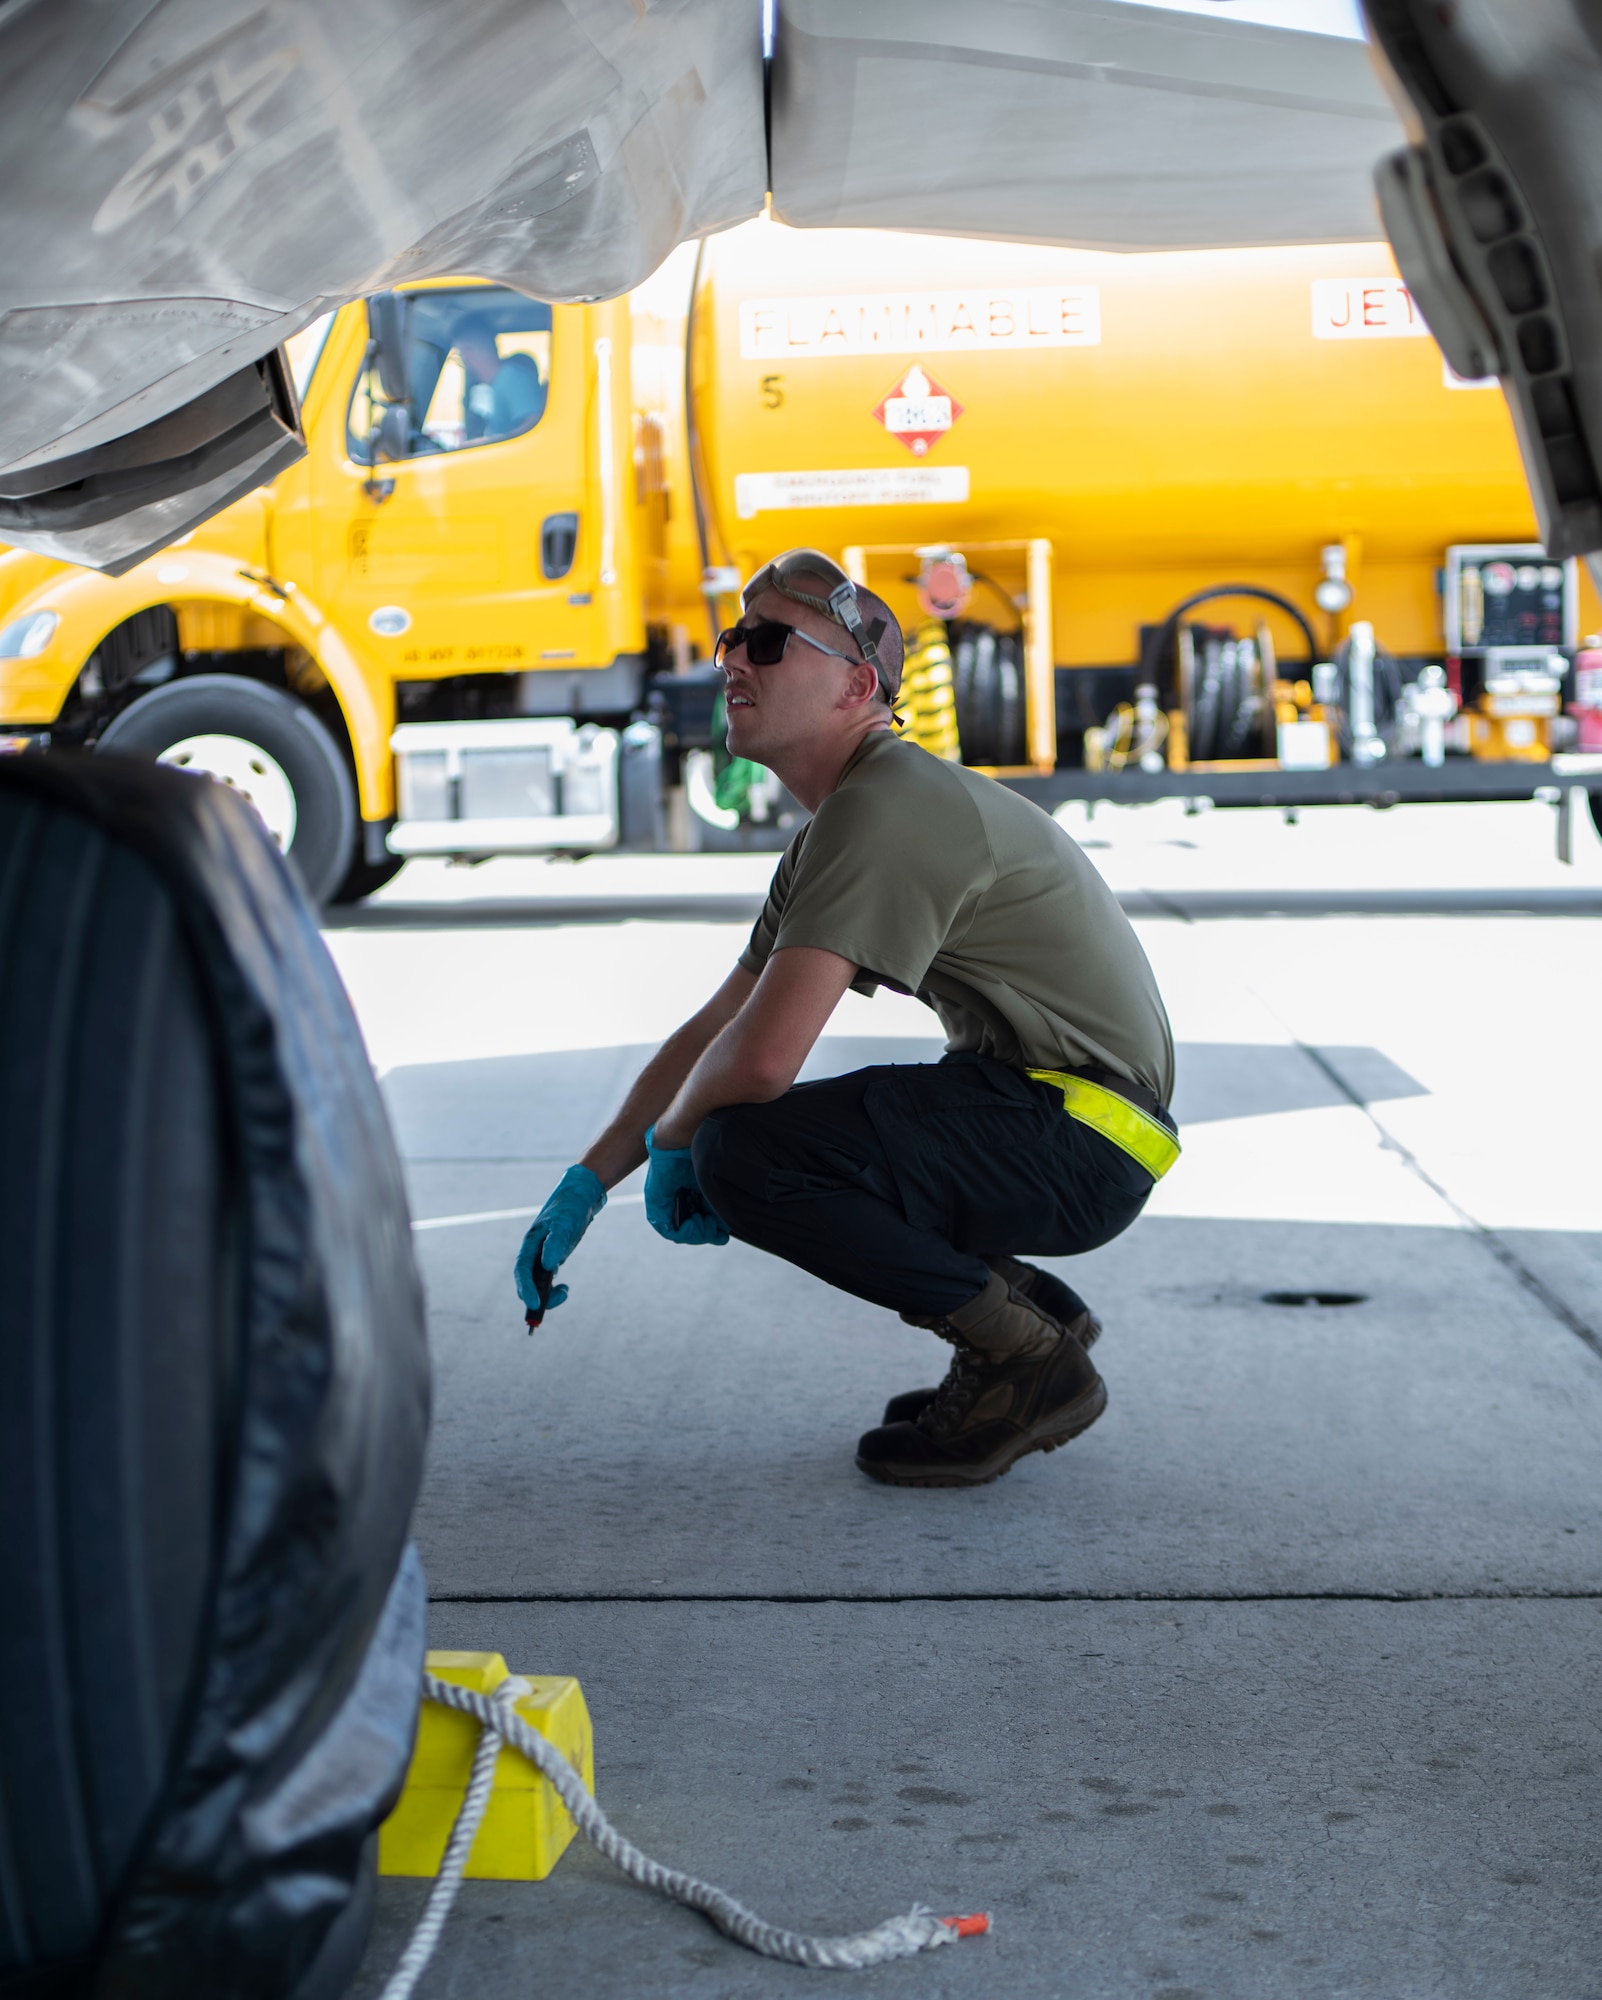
(896, 1183)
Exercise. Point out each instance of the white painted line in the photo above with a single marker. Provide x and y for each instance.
(504, 1214)
(461, 1221)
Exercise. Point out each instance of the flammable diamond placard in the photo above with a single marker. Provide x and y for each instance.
(918, 411)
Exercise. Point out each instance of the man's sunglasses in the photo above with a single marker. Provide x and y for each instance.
(765, 641)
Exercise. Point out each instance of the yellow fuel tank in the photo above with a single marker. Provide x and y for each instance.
(1166, 422)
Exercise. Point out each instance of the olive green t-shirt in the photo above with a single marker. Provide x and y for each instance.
(939, 882)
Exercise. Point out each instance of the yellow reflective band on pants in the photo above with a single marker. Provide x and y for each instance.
(1140, 1135)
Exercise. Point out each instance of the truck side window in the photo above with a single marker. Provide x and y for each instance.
(478, 369)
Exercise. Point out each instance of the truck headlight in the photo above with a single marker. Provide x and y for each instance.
(25, 638)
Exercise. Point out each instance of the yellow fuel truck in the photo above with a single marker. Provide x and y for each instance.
(1116, 445)
(1213, 524)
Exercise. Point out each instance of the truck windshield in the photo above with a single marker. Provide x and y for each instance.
(478, 369)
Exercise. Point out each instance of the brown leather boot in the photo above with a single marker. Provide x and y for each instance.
(1020, 1383)
(1042, 1289)
(1051, 1295)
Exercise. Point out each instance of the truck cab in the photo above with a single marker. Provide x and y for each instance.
(427, 636)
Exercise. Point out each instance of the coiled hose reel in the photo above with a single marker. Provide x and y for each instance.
(1223, 686)
(987, 669)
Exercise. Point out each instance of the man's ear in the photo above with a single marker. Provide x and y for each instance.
(862, 684)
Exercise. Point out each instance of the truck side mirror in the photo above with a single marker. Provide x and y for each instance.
(386, 327)
(392, 439)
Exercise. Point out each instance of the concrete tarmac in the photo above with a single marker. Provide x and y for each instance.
(1283, 1679)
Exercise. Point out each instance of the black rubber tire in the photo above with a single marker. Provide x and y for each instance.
(98, 988)
(363, 878)
(214, 1409)
(324, 845)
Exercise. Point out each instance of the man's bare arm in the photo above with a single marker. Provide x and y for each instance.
(621, 1147)
(756, 1057)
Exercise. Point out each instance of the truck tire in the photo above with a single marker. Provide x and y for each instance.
(364, 878)
(267, 746)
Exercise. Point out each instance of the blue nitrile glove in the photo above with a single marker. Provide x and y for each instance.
(674, 1204)
(552, 1238)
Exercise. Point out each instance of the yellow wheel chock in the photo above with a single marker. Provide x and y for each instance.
(526, 1828)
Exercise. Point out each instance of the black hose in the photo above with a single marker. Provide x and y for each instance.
(1224, 715)
(988, 683)
(1225, 711)
(1153, 654)
(990, 583)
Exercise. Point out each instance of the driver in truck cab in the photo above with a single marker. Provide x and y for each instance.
(504, 394)
(918, 1187)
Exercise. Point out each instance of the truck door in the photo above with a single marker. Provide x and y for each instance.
(451, 535)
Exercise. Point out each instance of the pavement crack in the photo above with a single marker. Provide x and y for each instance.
(1496, 1596)
(1488, 1239)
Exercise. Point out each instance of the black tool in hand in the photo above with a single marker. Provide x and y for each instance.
(543, 1280)
(686, 1202)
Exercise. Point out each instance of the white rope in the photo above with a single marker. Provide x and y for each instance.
(475, 1802)
(900, 1937)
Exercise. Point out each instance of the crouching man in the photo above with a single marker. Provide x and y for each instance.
(915, 1186)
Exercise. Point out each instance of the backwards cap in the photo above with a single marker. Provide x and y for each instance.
(839, 606)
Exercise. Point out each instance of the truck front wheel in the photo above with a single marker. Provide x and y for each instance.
(266, 746)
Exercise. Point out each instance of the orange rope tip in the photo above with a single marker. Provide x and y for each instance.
(974, 1926)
